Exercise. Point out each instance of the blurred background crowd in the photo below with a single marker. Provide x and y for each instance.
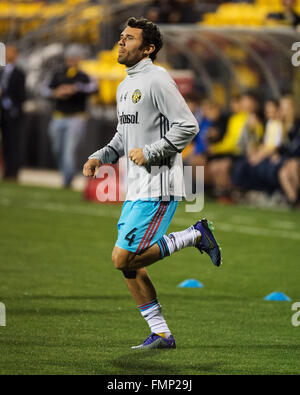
(253, 147)
(232, 61)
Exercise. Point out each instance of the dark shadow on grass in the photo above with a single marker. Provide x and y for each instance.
(145, 362)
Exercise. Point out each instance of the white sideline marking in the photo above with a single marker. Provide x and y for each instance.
(75, 210)
(237, 219)
(283, 224)
(251, 230)
(2, 314)
(111, 212)
(242, 220)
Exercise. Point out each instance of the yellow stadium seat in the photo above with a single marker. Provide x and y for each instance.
(243, 14)
(247, 77)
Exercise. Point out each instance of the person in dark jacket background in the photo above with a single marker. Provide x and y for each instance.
(12, 97)
(69, 88)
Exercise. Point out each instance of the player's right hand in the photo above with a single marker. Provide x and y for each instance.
(91, 167)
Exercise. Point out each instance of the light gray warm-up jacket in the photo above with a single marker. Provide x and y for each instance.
(152, 115)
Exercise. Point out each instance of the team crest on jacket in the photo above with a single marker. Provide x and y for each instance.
(136, 96)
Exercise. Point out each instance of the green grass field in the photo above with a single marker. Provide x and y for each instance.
(69, 311)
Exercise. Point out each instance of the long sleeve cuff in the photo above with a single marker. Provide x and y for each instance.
(106, 155)
(155, 152)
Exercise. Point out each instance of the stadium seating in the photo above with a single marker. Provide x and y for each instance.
(244, 14)
(22, 16)
(81, 20)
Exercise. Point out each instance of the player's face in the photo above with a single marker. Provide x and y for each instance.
(130, 47)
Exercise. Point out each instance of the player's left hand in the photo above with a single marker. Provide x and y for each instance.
(137, 156)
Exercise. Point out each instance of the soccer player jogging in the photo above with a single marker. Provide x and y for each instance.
(154, 126)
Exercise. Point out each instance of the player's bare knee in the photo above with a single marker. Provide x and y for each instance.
(120, 261)
(121, 264)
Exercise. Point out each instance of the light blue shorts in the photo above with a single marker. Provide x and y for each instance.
(143, 222)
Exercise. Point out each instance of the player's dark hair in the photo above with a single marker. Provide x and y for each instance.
(151, 34)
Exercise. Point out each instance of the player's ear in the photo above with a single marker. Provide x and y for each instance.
(149, 49)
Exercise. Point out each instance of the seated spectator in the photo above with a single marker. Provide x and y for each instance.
(273, 134)
(242, 126)
(235, 105)
(288, 114)
(288, 16)
(229, 144)
(255, 169)
(289, 151)
(276, 162)
(212, 127)
(218, 122)
(250, 156)
(198, 145)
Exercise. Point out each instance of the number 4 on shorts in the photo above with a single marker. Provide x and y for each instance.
(130, 236)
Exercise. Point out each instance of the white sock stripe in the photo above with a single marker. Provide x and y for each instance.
(156, 321)
(148, 305)
(146, 313)
(178, 240)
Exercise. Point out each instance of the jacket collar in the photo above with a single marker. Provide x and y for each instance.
(139, 67)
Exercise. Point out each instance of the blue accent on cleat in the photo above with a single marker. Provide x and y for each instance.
(208, 243)
(156, 341)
